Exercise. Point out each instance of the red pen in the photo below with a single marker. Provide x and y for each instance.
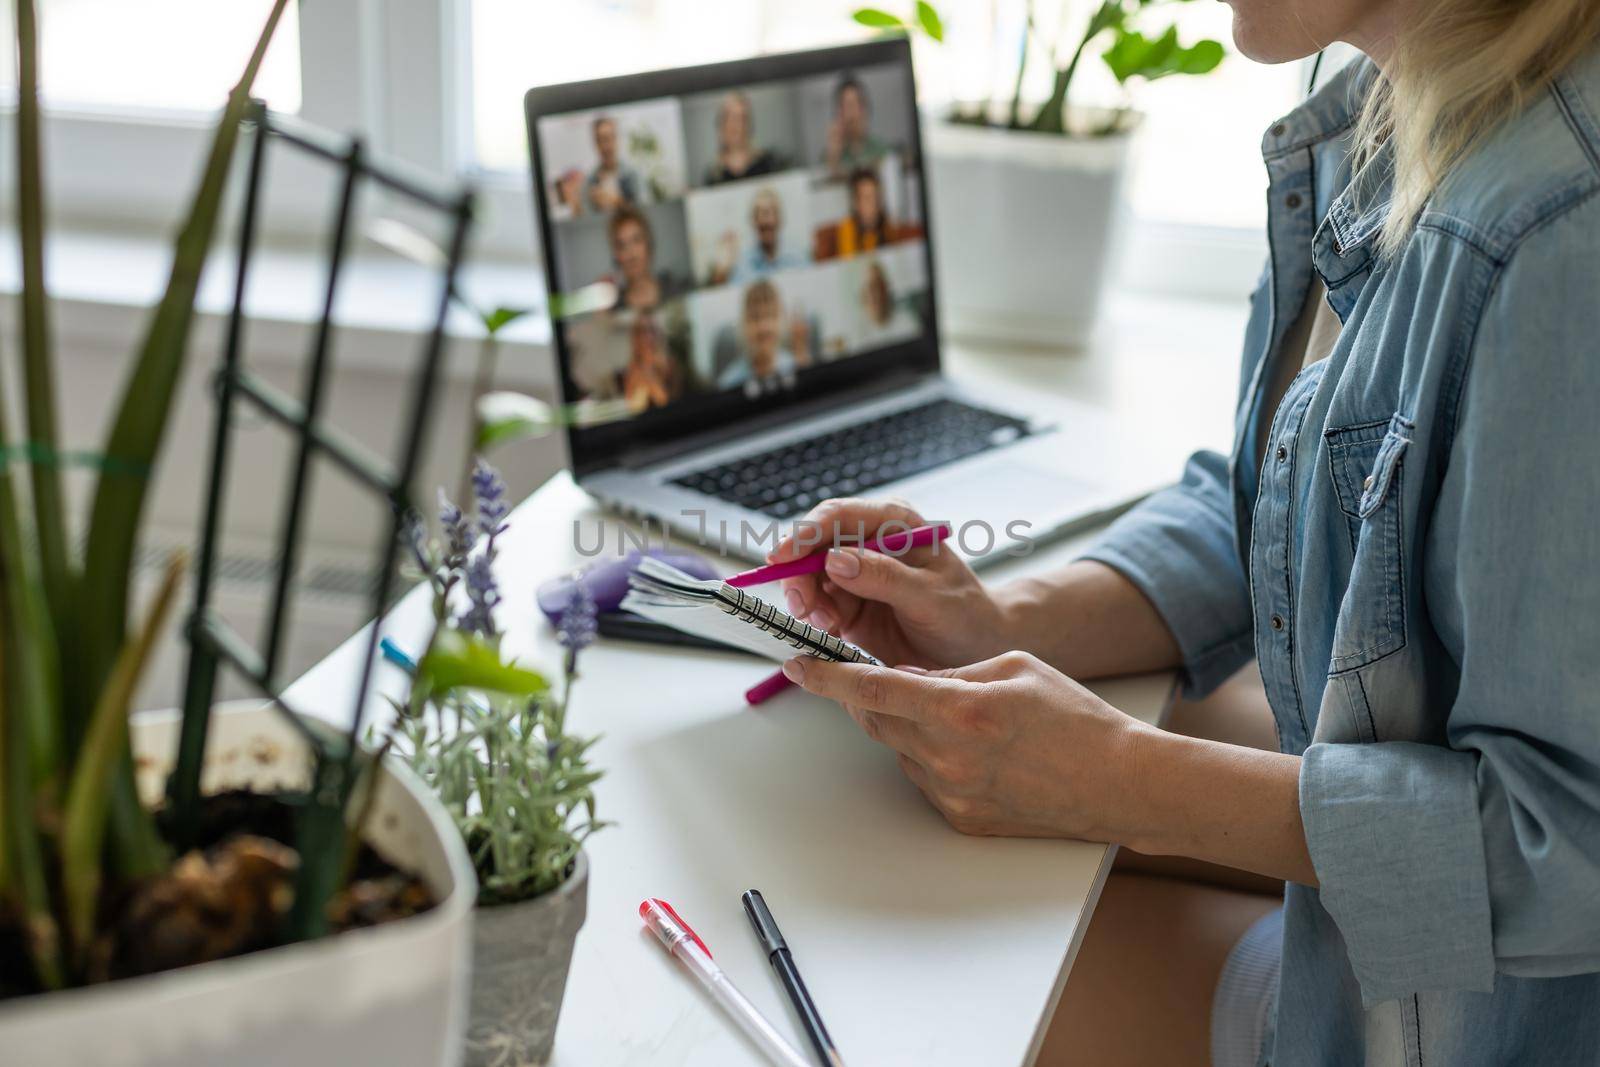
(891, 543)
(679, 938)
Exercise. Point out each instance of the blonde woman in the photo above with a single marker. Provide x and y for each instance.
(737, 155)
(1406, 538)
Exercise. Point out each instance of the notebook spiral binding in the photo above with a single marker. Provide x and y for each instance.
(798, 633)
(663, 584)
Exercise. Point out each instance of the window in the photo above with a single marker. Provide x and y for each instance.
(165, 55)
(1201, 162)
(1200, 150)
(439, 84)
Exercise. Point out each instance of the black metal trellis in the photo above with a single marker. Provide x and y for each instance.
(211, 641)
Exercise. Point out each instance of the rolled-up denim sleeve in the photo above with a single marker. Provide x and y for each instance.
(1178, 548)
(1446, 864)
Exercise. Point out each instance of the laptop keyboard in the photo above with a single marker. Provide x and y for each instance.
(787, 481)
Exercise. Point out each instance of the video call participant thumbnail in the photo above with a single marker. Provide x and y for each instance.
(652, 377)
(851, 144)
(765, 252)
(767, 355)
(884, 318)
(612, 183)
(868, 225)
(639, 284)
(737, 155)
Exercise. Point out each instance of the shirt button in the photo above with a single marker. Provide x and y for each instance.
(1366, 483)
(1292, 201)
(1283, 453)
(1277, 622)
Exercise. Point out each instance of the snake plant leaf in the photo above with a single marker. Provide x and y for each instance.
(5, 807)
(29, 730)
(27, 737)
(29, 742)
(142, 416)
(38, 370)
(34, 597)
(83, 821)
(131, 449)
(462, 661)
(31, 696)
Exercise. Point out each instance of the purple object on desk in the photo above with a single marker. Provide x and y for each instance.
(607, 580)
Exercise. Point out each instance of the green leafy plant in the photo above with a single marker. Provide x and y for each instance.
(1112, 25)
(70, 817)
(488, 736)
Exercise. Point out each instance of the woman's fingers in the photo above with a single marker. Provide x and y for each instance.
(845, 519)
(820, 602)
(920, 697)
(878, 576)
(900, 734)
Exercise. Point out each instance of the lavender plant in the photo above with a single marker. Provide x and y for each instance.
(490, 738)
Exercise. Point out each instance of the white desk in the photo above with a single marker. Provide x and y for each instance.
(920, 945)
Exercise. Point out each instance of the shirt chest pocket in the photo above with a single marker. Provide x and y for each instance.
(1365, 462)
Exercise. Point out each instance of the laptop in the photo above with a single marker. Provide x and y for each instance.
(740, 272)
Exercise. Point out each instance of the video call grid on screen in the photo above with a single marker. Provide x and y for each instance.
(748, 241)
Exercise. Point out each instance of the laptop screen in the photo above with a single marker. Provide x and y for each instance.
(751, 238)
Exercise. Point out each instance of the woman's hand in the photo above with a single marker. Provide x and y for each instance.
(1008, 746)
(923, 607)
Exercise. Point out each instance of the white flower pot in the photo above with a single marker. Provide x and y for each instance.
(393, 994)
(1025, 229)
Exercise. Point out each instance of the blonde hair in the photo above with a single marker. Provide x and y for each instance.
(1460, 68)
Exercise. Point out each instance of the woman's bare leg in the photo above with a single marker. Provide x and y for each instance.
(1141, 988)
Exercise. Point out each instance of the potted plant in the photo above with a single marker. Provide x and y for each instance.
(141, 923)
(518, 786)
(1027, 196)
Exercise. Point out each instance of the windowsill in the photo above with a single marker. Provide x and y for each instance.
(103, 285)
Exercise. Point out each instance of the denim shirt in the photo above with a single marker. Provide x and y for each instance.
(1416, 566)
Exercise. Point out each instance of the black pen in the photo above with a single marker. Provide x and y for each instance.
(782, 961)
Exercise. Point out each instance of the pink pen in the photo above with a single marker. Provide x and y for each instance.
(767, 688)
(678, 938)
(892, 543)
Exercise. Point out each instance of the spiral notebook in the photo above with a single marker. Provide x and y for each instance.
(715, 609)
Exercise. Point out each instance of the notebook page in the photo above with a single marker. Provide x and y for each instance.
(664, 594)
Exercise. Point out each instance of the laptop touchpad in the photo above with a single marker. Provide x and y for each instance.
(995, 492)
